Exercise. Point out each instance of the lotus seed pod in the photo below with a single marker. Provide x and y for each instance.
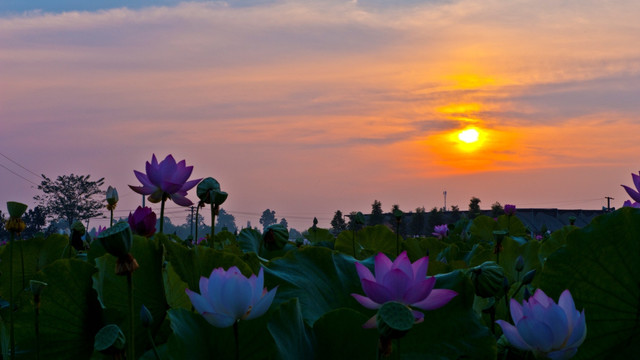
(117, 239)
(16, 209)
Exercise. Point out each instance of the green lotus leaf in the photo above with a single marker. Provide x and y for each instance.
(148, 284)
(512, 225)
(369, 241)
(482, 228)
(557, 239)
(293, 338)
(339, 335)
(30, 256)
(599, 265)
(318, 235)
(194, 338)
(69, 316)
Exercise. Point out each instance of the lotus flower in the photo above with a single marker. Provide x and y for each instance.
(547, 329)
(143, 221)
(166, 179)
(440, 231)
(628, 203)
(228, 296)
(509, 209)
(100, 229)
(403, 282)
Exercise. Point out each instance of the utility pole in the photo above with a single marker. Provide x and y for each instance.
(609, 198)
(445, 200)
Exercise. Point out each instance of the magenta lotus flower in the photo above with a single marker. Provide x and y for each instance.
(509, 209)
(166, 180)
(628, 203)
(440, 231)
(143, 221)
(403, 282)
(547, 329)
(228, 296)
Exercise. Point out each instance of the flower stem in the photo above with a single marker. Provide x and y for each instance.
(131, 348)
(237, 337)
(213, 224)
(195, 239)
(162, 214)
(12, 340)
(153, 344)
(37, 325)
(111, 221)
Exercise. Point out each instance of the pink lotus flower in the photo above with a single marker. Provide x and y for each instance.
(547, 329)
(143, 221)
(628, 203)
(403, 282)
(166, 180)
(228, 296)
(440, 231)
(509, 209)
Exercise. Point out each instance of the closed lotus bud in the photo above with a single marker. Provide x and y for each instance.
(488, 279)
(519, 263)
(526, 294)
(146, 319)
(397, 213)
(112, 198)
(528, 277)
(360, 218)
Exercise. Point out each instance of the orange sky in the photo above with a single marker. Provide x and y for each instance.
(309, 107)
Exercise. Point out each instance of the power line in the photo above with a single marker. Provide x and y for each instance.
(15, 162)
(18, 175)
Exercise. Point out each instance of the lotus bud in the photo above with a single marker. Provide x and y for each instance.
(360, 218)
(509, 210)
(315, 223)
(146, 319)
(109, 337)
(526, 294)
(505, 285)
(499, 236)
(528, 277)
(112, 198)
(519, 263)
(488, 279)
(572, 220)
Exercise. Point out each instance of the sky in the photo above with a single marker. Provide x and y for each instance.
(308, 107)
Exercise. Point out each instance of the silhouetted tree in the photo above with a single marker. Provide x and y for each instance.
(226, 220)
(455, 213)
(376, 217)
(268, 218)
(474, 208)
(337, 223)
(4, 234)
(418, 221)
(496, 210)
(35, 219)
(284, 223)
(70, 197)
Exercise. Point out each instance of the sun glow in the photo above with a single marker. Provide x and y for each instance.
(469, 136)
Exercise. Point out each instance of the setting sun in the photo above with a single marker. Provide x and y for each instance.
(469, 136)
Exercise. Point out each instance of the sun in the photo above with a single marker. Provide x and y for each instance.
(469, 136)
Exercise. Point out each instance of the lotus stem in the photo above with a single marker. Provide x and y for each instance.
(153, 344)
(36, 299)
(111, 221)
(162, 214)
(237, 337)
(131, 348)
(12, 340)
(354, 243)
(213, 225)
(22, 264)
(195, 239)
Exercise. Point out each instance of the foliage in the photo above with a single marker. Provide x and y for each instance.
(496, 210)
(376, 217)
(226, 220)
(70, 197)
(417, 223)
(337, 223)
(268, 218)
(474, 207)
